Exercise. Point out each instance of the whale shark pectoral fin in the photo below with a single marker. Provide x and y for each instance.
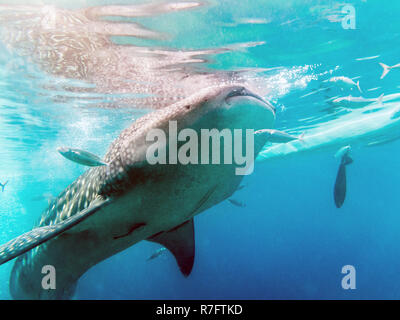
(38, 236)
(180, 242)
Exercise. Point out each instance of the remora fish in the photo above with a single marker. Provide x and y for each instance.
(81, 156)
(156, 254)
(339, 192)
(237, 203)
(110, 208)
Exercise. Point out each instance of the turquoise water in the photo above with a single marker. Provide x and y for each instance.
(290, 241)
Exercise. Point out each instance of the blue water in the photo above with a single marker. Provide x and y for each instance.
(290, 241)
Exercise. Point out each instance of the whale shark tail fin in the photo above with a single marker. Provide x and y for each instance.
(40, 235)
(386, 69)
(180, 242)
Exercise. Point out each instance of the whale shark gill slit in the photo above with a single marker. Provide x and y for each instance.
(180, 242)
(133, 228)
(177, 227)
(202, 201)
(155, 235)
(38, 236)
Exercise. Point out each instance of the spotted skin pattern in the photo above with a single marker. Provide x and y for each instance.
(141, 200)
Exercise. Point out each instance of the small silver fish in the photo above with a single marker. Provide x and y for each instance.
(367, 58)
(237, 203)
(2, 185)
(347, 81)
(386, 69)
(276, 136)
(156, 254)
(379, 100)
(82, 157)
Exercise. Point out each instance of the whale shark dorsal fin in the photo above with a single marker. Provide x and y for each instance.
(40, 235)
(180, 241)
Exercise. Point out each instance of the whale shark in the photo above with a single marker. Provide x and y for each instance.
(110, 208)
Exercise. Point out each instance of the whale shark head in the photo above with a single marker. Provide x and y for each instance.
(229, 107)
(240, 97)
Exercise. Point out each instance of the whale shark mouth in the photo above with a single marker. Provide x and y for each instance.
(243, 92)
